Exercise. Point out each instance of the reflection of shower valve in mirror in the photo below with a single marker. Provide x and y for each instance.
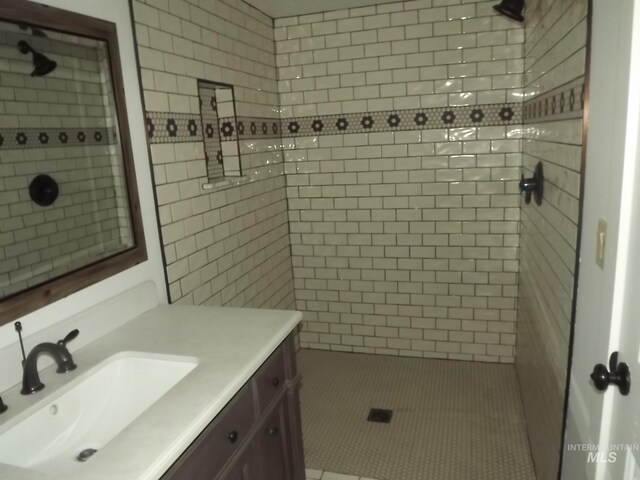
(43, 190)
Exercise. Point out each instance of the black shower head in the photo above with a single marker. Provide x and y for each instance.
(511, 8)
(41, 64)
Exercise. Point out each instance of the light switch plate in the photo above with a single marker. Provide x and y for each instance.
(601, 242)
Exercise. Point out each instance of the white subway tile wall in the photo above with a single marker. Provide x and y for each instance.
(555, 52)
(62, 125)
(398, 56)
(404, 242)
(227, 244)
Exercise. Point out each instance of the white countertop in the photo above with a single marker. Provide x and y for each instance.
(229, 344)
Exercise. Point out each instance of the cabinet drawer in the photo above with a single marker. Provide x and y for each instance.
(270, 379)
(206, 456)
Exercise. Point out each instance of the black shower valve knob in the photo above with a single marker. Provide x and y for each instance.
(528, 186)
(533, 186)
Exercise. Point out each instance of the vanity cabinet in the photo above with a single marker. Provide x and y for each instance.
(257, 436)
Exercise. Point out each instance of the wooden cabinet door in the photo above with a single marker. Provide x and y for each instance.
(245, 467)
(262, 441)
(272, 443)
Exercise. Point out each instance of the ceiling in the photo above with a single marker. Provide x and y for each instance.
(288, 8)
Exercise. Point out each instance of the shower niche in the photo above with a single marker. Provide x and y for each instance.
(69, 206)
(220, 127)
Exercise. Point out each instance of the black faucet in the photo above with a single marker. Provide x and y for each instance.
(31, 378)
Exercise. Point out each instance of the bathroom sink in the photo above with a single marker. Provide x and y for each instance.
(56, 435)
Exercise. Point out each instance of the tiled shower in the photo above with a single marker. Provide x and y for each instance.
(381, 150)
(404, 214)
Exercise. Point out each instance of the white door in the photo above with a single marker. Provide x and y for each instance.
(603, 428)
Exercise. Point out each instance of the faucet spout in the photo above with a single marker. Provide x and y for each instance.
(31, 378)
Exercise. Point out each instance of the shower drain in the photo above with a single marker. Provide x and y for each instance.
(380, 415)
(85, 454)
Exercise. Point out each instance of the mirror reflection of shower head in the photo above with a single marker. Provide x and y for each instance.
(511, 8)
(41, 64)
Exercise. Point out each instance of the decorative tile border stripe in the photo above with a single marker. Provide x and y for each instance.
(250, 127)
(562, 103)
(166, 127)
(398, 120)
(21, 138)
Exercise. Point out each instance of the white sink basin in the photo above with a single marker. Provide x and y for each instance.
(87, 415)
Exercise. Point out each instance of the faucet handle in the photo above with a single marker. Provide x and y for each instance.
(66, 365)
(70, 336)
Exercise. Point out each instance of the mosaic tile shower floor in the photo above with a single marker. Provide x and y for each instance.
(451, 420)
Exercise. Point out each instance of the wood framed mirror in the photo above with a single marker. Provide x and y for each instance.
(69, 207)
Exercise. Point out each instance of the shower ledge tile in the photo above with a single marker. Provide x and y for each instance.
(313, 474)
(338, 476)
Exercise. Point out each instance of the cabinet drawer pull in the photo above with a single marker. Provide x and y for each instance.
(232, 436)
(275, 381)
(273, 431)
